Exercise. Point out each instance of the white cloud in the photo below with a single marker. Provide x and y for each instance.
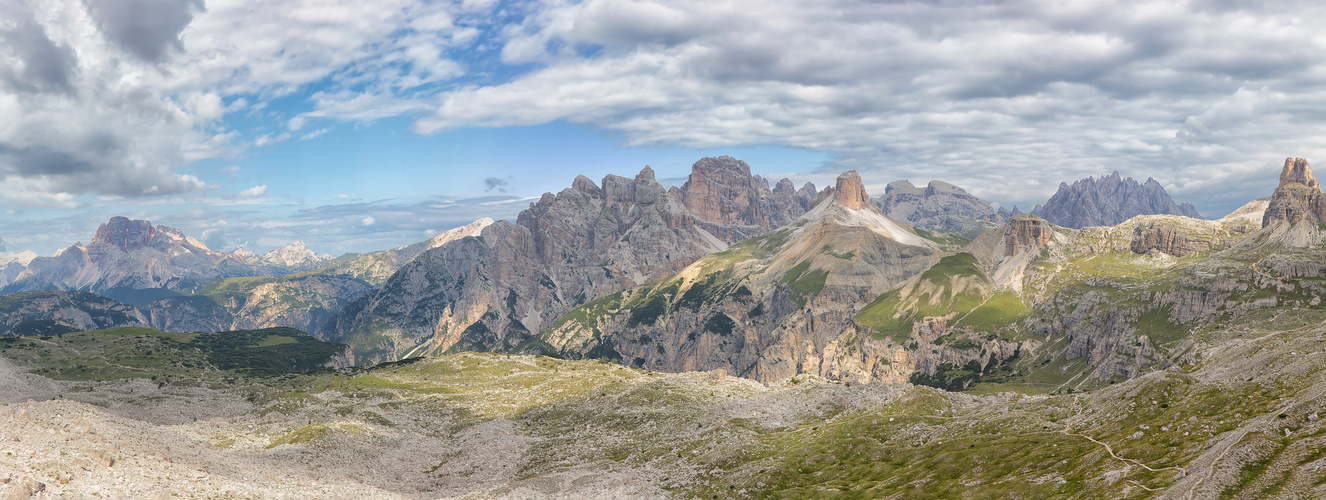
(254, 192)
(115, 97)
(368, 221)
(1004, 98)
(314, 134)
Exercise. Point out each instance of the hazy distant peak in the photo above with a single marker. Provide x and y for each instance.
(471, 229)
(23, 258)
(294, 254)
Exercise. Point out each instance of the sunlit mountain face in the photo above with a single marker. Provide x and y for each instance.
(644, 249)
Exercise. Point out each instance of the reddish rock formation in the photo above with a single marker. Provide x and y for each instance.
(1299, 197)
(850, 192)
(719, 190)
(1024, 232)
(734, 205)
(124, 233)
(1297, 170)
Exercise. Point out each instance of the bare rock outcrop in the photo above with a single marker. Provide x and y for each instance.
(940, 206)
(850, 192)
(1298, 197)
(734, 205)
(1026, 232)
(495, 291)
(1167, 238)
(1297, 170)
(1108, 201)
(78, 310)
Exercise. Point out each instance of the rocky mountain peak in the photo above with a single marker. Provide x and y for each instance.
(723, 195)
(643, 190)
(1297, 198)
(719, 190)
(244, 254)
(127, 253)
(1108, 201)
(646, 175)
(1297, 170)
(124, 234)
(1026, 232)
(294, 254)
(939, 206)
(850, 192)
(585, 185)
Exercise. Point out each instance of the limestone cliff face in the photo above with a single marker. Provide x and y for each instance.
(495, 291)
(1026, 233)
(374, 268)
(1171, 238)
(1298, 197)
(940, 206)
(79, 310)
(1108, 201)
(302, 302)
(767, 308)
(188, 313)
(1297, 171)
(734, 205)
(850, 192)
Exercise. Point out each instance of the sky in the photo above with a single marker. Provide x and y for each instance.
(363, 125)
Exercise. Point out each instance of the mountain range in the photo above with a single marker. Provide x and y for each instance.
(1108, 201)
(473, 288)
(764, 342)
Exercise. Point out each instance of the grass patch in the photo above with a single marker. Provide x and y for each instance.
(132, 352)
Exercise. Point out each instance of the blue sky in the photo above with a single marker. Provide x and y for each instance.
(362, 125)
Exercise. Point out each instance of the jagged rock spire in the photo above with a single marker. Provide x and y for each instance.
(850, 192)
(1298, 197)
(1297, 170)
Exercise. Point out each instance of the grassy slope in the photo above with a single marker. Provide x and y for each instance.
(891, 315)
(129, 352)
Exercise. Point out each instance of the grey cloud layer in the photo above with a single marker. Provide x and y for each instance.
(145, 28)
(1008, 98)
(113, 97)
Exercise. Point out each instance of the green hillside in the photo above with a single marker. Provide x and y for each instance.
(129, 352)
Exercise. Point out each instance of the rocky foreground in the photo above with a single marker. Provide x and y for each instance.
(1241, 420)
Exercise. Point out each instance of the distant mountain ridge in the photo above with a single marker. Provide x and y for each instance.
(1107, 201)
(940, 206)
(129, 254)
(496, 291)
(767, 308)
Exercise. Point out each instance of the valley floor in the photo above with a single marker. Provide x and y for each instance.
(1242, 421)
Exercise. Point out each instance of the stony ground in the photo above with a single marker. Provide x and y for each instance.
(1241, 421)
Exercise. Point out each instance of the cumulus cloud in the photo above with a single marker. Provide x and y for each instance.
(116, 97)
(1005, 98)
(254, 192)
(33, 62)
(145, 28)
(368, 221)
